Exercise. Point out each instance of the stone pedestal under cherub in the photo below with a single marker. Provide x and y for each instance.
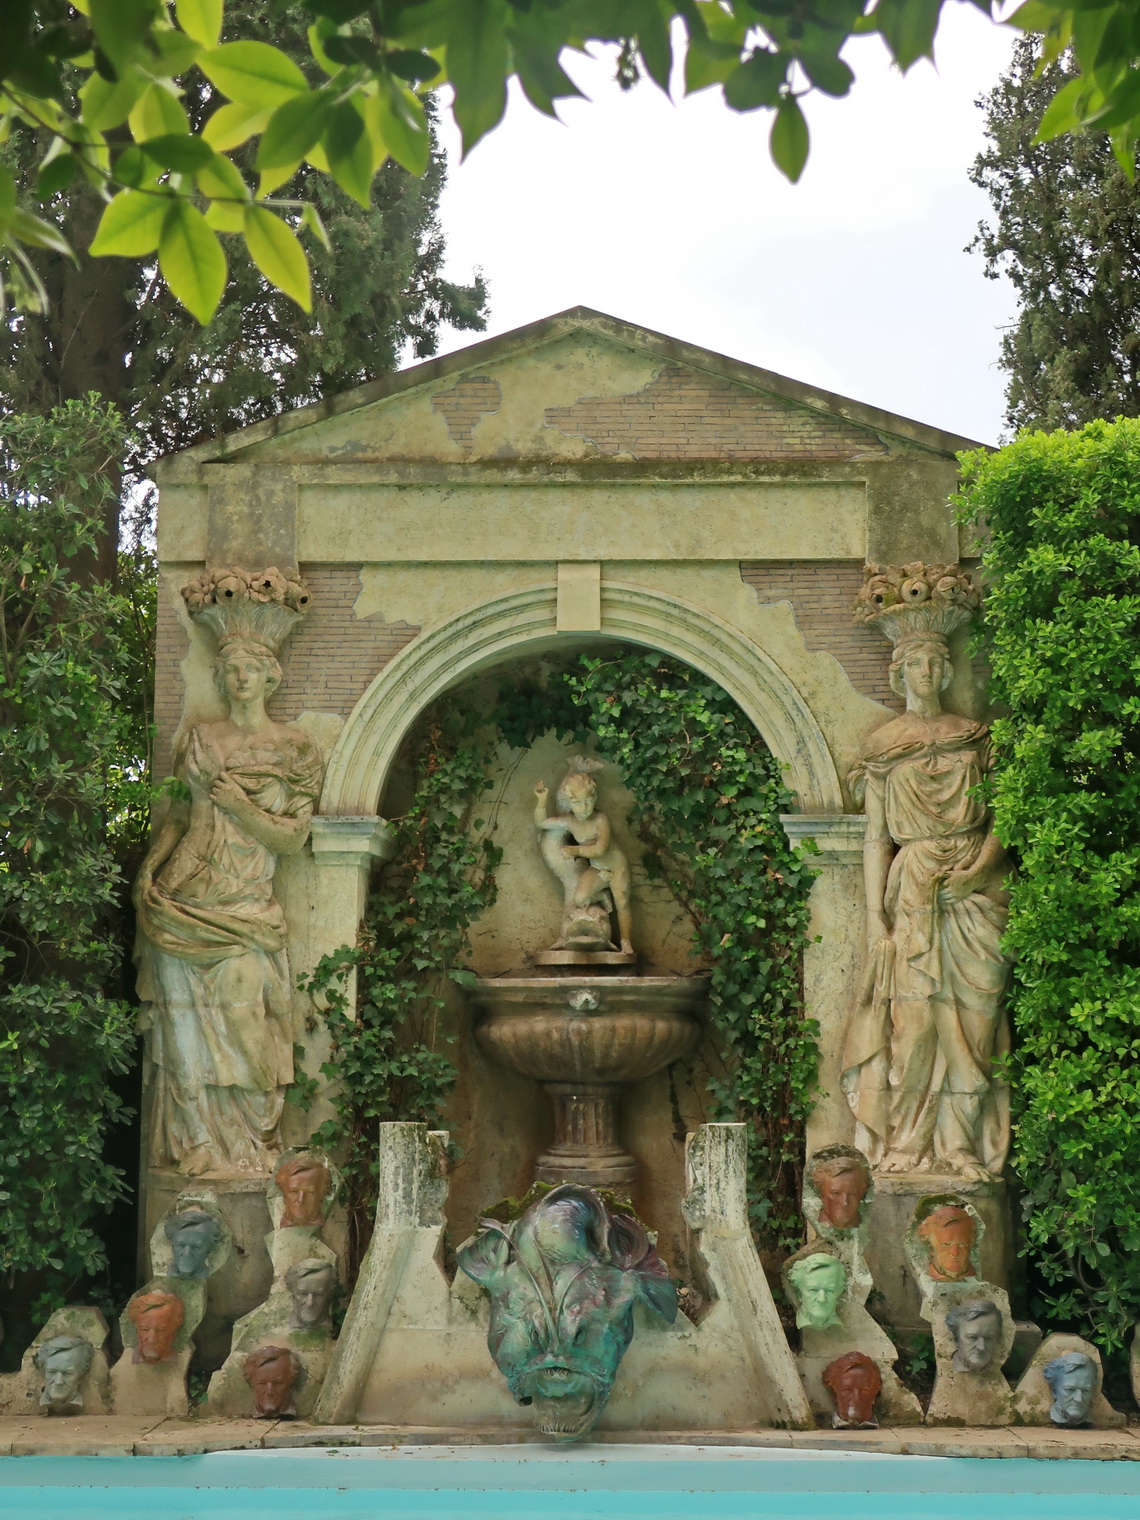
(834, 1323)
(578, 845)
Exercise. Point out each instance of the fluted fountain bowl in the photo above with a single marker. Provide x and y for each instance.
(588, 1028)
(584, 1038)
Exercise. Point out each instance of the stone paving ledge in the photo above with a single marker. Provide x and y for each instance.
(95, 1435)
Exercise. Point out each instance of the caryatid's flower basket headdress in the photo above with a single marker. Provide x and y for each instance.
(917, 602)
(240, 606)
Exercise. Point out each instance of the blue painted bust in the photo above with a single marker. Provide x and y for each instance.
(1072, 1380)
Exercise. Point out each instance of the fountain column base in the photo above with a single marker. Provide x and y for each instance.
(585, 1145)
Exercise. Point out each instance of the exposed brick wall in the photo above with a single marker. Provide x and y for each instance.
(684, 414)
(326, 665)
(465, 405)
(822, 594)
(170, 646)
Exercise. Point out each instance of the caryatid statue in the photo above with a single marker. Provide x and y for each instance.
(214, 975)
(919, 1057)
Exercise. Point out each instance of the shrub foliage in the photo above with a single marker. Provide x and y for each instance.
(1062, 629)
(72, 786)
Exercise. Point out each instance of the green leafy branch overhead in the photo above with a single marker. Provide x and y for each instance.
(100, 80)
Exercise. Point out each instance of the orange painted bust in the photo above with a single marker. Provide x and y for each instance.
(949, 1234)
(855, 1382)
(157, 1318)
(304, 1184)
(842, 1185)
(272, 1373)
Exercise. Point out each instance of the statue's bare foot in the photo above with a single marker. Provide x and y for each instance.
(967, 1167)
(626, 947)
(899, 1161)
(196, 1163)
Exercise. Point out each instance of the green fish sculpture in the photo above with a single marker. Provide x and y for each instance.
(563, 1279)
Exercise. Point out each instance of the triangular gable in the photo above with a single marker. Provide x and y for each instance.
(577, 386)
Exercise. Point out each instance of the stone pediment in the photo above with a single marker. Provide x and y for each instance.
(578, 387)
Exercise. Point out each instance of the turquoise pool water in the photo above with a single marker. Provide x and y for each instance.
(611, 1483)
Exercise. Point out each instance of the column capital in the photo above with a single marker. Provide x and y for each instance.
(352, 841)
(838, 836)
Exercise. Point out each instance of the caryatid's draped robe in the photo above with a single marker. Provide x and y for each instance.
(214, 969)
(920, 1050)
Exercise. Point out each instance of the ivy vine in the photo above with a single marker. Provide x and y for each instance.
(709, 795)
(389, 1059)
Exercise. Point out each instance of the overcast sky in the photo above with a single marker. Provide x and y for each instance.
(673, 217)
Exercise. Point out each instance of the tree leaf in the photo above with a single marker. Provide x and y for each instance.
(311, 220)
(191, 260)
(200, 19)
(478, 59)
(7, 198)
(121, 27)
(158, 113)
(105, 105)
(789, 141)
(274, 248)
(177, 151)
(225, 216)
(289, 134)
(349, 150)
(1064, 111)
(828, 73)
(37, 233)
(403, 126)
(220, 178)
(233, 124)
(253, 74)
(908, 27)
(131, 225)
(756, 82)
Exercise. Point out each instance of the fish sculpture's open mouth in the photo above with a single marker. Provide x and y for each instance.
(564, 1401)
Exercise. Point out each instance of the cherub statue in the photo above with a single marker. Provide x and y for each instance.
(593, 870)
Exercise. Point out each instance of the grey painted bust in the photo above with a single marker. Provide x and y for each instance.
(64, 1361)
(311, 1283)
(1072, 1380)
(976, 1327)
(192, 1234)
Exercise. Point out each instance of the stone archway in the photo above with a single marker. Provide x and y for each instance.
(523, 621)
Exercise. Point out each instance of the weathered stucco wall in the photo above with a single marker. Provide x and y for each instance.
(721, 510)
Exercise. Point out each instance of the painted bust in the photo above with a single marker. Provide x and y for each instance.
(949, 1234)
(64, 1361)
(854, 1382)
(842, 1183)
(157, 1318)
(819, 1282)
(272, 1373)
(1072, 1380)
(311, 1284)
(192, 1234)
(304, 1183)
(976, 1327)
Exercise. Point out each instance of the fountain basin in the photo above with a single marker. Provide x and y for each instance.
(584, 1038)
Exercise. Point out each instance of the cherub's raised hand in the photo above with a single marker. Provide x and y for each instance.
(540, 789)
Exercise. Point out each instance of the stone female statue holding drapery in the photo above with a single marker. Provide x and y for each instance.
(921, 1046)
(214, 972)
